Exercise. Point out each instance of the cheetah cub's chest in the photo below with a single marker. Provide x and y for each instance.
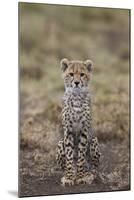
(76, 105)
(76, 114)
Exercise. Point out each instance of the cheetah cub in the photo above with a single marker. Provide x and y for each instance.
(78, 151)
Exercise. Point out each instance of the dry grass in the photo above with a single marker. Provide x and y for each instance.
(49, 33)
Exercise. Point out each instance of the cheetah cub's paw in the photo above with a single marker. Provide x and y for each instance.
(66, 181)
(86, 179)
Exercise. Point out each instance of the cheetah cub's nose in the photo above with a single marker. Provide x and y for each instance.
(76, 83)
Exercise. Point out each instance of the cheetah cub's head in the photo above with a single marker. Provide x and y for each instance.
(76, 74)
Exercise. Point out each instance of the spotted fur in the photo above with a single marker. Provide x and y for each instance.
(78, 151)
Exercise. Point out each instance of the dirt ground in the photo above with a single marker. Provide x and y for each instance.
(115, 174)
(48, 34)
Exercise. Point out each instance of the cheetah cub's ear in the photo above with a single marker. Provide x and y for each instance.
(89, 65)
(64, 64)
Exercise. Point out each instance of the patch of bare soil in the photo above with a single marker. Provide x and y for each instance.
(114, 169)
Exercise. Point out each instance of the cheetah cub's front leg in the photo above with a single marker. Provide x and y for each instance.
(83, 176)
(65, 162)
(69, 173)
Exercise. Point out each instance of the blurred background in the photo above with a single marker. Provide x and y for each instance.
(48, 33)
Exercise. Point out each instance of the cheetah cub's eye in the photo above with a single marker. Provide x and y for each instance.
(82, 74)
(71, 74)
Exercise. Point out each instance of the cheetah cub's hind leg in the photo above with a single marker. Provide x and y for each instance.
(60, 155)
(94, 152)
(94, 156)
